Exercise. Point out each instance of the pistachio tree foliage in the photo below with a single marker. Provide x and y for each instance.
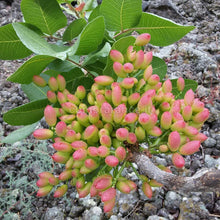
(101, 91)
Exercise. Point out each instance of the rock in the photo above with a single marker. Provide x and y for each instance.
(76, 211)
(164, 213)
(126, 202)
(53, 214)
(156, 217)
(193, 210)
(149, 209)
(172, 201)
(217, 207)
(210, 142)
(95, 213)
(137, 216)
(87, 202)
(209, 161)
(208, 199)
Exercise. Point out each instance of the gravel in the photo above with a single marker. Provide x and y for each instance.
(197, 57)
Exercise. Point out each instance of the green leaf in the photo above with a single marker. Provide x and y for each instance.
(120, 45)
(33, 66)
(189, 84)
(95, 13)
(26, 114)
(63, 65)
(11, 47)
(92, 58)
(91, 36)
(121, 14)
(74, 29)
(37, 44)
(84, 81)
(163, 31)
(35, 92)
(159, 67)
(19, 134)
(46, 15)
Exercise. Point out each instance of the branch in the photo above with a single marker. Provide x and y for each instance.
(204, 180)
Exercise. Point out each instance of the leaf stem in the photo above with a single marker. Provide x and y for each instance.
(158, 140)
(72, 9)
(119, 174)
(79, 65)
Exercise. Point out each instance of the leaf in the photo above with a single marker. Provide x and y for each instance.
(74, 29)
(35, 92)
(11, 47)
(64, 65)
(46, 15)
(120, 45)
(95, 13)
(159, 67)
(19, 134)
(84, 81)
(189, 84)
(121, 14)
(33, 66)
(26, 114)
(91, 36)
(91, 58)
(38, 45)
(163, 31)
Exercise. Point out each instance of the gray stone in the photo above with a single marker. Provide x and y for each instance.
(209, 161)
(87, 202)
(209, 142)
(193, 210)
(75, 211)
(217, 207)
(172, 201)
(149, 209)
(53, 214)
(156, 217)
(95, 213)
(208, 199)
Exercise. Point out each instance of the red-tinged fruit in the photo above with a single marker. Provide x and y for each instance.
(180, 84)
(174, 141)
(45, 175)
(166, 120)
(103, 182)
(119, 113)
(39, 81)
(44, 191)
(109, 205)
(128, 67)
(42, 182)
(60, 157)
(127, 83)
(189, 97)
(155, 131)
(123, 187)
(91, 164)
(147, 190)
(163, 148)
(92, 151)
(53, 84)
(51, 96)
(116, 56)
(187, 113)
(116, 95)
(60, 191)
(104, 80)
(105, 140)
(120, 153)
(108, 194)
(140, 133)
(131, 53)
(199, 137)
(201, 116)
(167, 86)
(139, 59)
(61, 129)
(83, 192)
(106, 112)
(190, 148)
(53, 181)
(119, 70)
(61, 82)
(142, 39)
(43, 134)
(178, 160)
(80, 154)
(122, 134)
(62, 146)
(80, 92)
(103, 151)
(131, 139)
(111, 161)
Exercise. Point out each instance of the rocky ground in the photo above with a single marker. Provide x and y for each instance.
(196, 56)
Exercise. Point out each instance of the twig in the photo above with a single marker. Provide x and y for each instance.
(79, 65)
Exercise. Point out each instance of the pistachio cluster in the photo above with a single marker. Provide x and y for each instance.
(94, 138)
